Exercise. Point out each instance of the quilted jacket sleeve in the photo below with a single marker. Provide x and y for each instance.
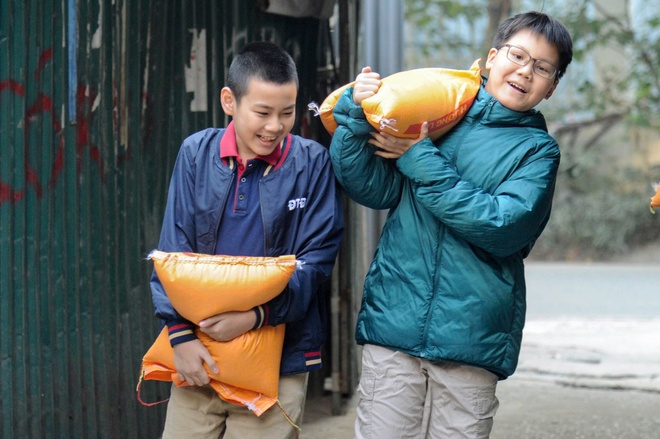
(368, 179)
(502, 221)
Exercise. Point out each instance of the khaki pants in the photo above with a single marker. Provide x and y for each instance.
(402, 396)
(198, 413)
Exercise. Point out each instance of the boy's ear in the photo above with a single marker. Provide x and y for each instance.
(227, 101)
(552, 89)
(490, 59)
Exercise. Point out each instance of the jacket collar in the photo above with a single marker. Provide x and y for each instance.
(491, 112)
(229, 147)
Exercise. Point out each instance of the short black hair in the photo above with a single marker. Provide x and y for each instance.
(261, 60)
(540, 24)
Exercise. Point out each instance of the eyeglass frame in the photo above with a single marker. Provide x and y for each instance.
(555, 74)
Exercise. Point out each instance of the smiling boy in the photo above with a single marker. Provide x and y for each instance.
(252, 189)
(443, 306)
(523, 71)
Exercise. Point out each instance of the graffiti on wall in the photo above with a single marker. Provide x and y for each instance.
(43, 110)
(41, 107)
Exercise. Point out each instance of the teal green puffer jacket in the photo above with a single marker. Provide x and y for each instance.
(447, 279)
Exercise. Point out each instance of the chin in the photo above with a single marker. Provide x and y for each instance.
(264, 151)
(515, 106)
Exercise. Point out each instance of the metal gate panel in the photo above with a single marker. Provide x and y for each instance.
(93, 107)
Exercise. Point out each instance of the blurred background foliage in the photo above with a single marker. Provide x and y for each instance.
(605, 114)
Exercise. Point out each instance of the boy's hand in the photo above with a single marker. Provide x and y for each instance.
(366, 85)
(229, 325)
(189, 359)
(391, 147)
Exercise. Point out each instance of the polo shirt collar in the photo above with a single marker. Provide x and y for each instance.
(229, 147)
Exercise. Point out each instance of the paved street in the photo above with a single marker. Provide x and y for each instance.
(534, 409)
(590, 361)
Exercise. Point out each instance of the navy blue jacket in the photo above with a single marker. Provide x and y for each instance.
(302, 216)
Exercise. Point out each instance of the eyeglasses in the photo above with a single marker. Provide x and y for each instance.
(518, 55)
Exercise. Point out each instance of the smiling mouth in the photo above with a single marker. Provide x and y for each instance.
(268, 138)
(517, 87)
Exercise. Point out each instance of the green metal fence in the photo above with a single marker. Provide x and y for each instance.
(95, 98)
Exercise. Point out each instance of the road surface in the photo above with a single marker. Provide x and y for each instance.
(589, 365)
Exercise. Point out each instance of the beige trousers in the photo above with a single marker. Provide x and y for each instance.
(405, 397)
(198, 413)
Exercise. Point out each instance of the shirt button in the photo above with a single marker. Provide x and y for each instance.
(240, 197)
(243, 180)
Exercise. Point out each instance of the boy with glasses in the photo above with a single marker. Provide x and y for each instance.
(444, 300)
(520, 56)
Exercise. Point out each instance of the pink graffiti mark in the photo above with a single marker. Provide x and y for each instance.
(12, 85)
(7, 193)
(42, 106)
(84, 118)
(45, 56)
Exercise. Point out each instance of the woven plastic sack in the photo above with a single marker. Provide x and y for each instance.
(249, 366)
(407, 99)
(221, 283)
(200, 286)
(655, 200)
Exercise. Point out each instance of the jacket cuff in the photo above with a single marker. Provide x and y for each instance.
(180, 331)
(262, 312)
(351, 115)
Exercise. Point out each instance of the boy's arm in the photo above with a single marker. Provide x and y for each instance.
(367, 179)
(316, 246)
(228, 325)
(503, 222)
(177, 235)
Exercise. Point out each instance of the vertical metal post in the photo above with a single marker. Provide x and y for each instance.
(72, 45)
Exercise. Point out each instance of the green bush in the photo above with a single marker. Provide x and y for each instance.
(599, 215)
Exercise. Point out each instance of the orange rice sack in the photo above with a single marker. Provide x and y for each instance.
(249, 366)
(200, 286)
(328, 104)
(220, 283)
(655, 200)
(407, 99)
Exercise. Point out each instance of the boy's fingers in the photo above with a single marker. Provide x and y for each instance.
(424, 131)
(210, 362)
(200, 381)
(190, 380)
(210, 320)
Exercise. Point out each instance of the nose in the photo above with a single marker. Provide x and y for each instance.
(274, 124)
(527, 70)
